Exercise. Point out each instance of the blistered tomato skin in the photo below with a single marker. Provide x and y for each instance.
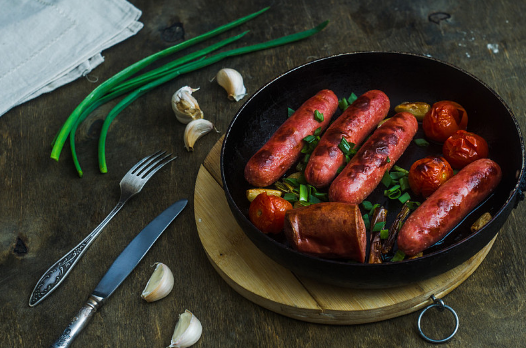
(267, 213)
(463, 147)
(427, 174)
(443, 120)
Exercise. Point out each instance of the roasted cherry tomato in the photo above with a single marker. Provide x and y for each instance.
(443, 120)
(463, 147)
(267, 213)
(427, 174)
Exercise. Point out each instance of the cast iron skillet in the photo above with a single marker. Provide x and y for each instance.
(403, 77)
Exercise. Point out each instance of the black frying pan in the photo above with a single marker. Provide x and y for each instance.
(403, 77)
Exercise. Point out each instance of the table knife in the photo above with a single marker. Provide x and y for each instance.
(118, 271)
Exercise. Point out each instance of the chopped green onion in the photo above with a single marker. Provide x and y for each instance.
(384, 234)
(291, 197)
(314, 199)
(304, 193)
(318, 116)
(310, 138)
(292, 181)
(352, 98)
(388, 160)
(397, 175)
(404, 198)
(421, 142)
(379, 226)
(290, 112)
(404, 184)
(394, 192)
(412, 205)
(398, 256)
(317, 132)
(343, 104)
(386, 179)
(367, 205)
(400, 169)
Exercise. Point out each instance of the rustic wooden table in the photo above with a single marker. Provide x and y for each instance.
(46, 208)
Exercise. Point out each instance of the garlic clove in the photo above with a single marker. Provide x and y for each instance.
(185, 106)
(195, 130)
(187, 331)
(160, 283)
(232, 81)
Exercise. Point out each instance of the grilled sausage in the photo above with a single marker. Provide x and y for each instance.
(329, 229)
(376, 156)
(448, 205)
(283, 149)
(356, 122)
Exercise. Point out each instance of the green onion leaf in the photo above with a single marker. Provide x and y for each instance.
(367, 205)
(398, 256)
(412, 205)
(421, 142)
(304, 193)
(318, 116)
(379, 226)
(343, 104)
(310, 138)
(386, 179)
(404, 198)
(352, 98)
(366, 221)
(290, 112)
(400, 169)
(404, 184)
(291, 197)
(384, 234)
(393, 192)
(292, 181)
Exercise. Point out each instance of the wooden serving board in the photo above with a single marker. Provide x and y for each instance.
(261, 280)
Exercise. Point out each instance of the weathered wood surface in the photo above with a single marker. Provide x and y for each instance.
(46, 209)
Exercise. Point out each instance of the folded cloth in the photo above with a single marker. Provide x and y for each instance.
(45, 44)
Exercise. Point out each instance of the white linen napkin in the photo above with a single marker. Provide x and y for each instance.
(45, 44)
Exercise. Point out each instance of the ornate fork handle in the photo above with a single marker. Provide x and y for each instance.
(60, 269)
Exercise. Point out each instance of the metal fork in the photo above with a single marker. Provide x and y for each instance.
(131, 184)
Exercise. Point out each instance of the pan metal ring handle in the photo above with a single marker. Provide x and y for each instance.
(441, 306)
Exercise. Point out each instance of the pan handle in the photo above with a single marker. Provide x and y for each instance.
(522, 188)
(441, 306)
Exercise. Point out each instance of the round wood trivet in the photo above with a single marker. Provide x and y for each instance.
(261, 280)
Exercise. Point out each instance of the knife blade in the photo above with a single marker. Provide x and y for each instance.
(118, 271)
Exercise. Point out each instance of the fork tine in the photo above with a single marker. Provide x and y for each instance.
(145, 159)
(156, 166)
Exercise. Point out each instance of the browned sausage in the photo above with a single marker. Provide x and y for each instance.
(356, 122)
(283, 149)
(448, 205)
(376, 156)
(329, 229)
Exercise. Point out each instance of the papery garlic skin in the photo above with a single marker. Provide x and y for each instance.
(187, 331)
(195, 130)
(232, 81)
(160, 284)
(185, 106)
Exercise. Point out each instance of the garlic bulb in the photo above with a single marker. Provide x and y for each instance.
(187, 331)
(160, 283)
(232, 81)
(185, 106)
(195, 130)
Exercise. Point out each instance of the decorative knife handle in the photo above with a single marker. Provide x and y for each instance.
(78, 322)
(60, 269)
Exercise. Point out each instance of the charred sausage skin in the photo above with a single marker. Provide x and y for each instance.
(448, 205)
(355, 123)
(283, 149)
(376, 156)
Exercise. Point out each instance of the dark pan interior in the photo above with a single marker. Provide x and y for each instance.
(403, 77)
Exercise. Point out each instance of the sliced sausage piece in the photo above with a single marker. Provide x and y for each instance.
(356, 123)
(329, 230)
(376, 156)
(448, 205)
(283, 149)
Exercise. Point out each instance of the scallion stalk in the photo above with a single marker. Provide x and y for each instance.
(106, 86)
(189, 68)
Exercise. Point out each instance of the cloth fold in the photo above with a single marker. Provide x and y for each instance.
(45, 44)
